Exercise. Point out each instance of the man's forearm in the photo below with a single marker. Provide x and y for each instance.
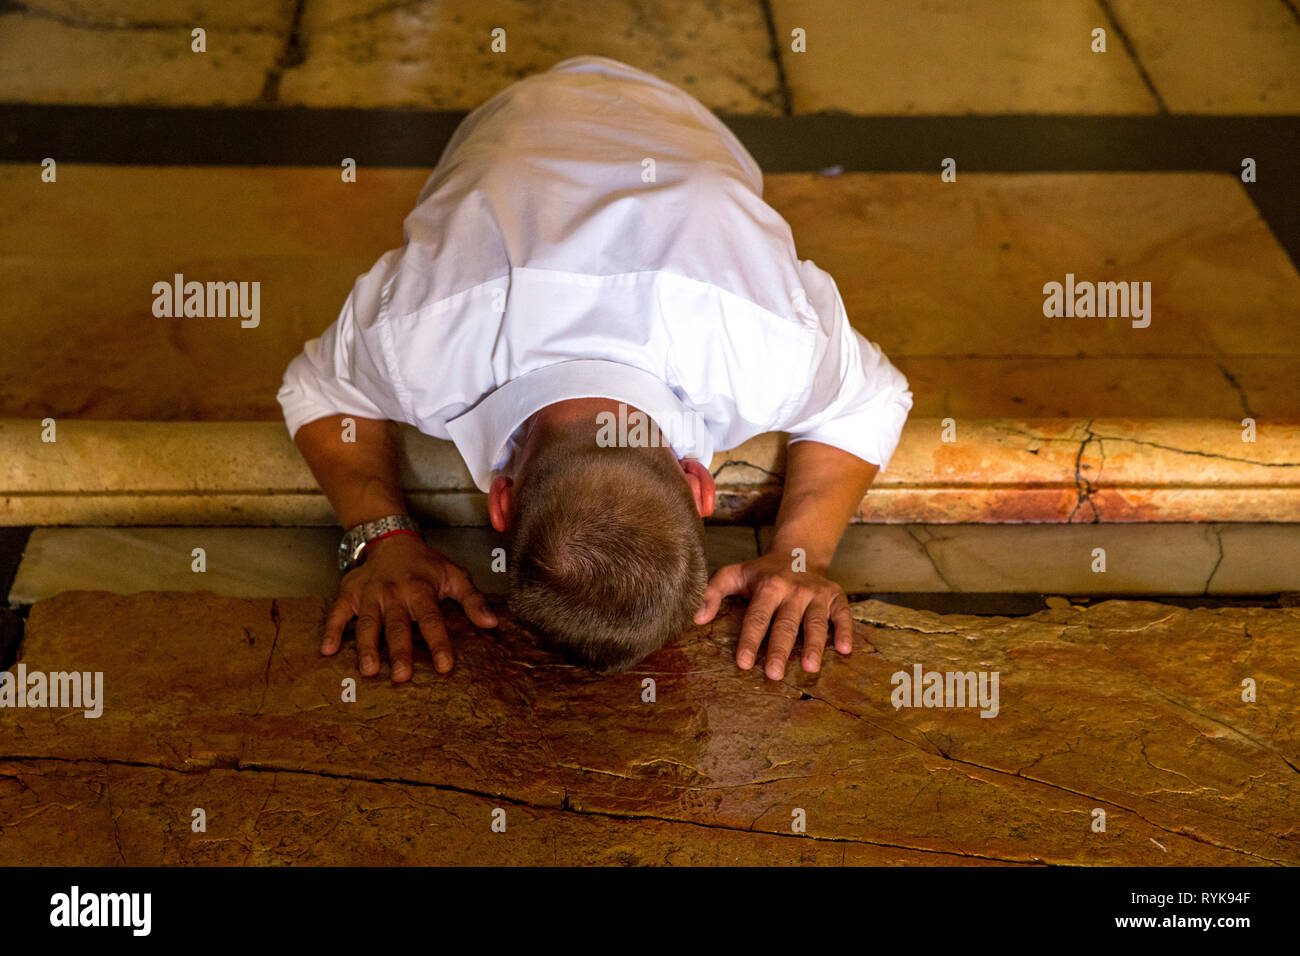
(361, 479)
(823, 488)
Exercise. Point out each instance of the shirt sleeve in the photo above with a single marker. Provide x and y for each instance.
(857, 400)
(346, 370)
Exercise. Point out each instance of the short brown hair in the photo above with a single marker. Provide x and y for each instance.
(606, 551)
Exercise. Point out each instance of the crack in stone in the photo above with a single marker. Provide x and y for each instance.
(1218, 540)
(744, 464)
(113, 815)
(1203, 454)
(372, 14)
(1085, 486)
(1142, 747)
(291, 56)
(1018, 775)
(785, 97)
(1236, 387)
(270, 658)
(891, 626)
(925, 549)
(118, 23)
(1227, 726)
(275, 782)
(564, 807)
(1152, 444)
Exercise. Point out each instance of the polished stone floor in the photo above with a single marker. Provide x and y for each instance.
(1127, 733)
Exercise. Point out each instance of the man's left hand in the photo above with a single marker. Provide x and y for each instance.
(781, 598)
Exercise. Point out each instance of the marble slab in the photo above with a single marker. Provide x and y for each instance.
(1127, 713)
(1206, 56)
(252, 562)
(120, 52)
(439, 55)
(955, 57)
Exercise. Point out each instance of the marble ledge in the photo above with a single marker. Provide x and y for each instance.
(945, 471)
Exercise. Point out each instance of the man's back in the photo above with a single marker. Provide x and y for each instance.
(596, 214)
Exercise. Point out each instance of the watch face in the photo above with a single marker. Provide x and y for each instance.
(345, 552)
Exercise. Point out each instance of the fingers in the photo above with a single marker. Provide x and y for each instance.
(754, 626)
(368, 622)
(785, 631)
(842, 614)
(815, 631)
(344, 610)
(425, 611)
(397, 632)
(727, 580)
(459, 586)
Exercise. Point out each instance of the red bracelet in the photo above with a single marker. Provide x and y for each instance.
(388, 534)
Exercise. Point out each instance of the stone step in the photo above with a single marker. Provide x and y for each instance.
(1170, 559)
(1201, 56)
(1054, 471)
(1118, 736)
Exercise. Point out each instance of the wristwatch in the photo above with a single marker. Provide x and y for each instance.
(355, 539)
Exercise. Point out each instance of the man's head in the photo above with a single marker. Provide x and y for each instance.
(606, 544)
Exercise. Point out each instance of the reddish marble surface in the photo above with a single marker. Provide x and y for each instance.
(1131, 708)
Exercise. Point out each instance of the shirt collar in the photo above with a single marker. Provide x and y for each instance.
(482, 434)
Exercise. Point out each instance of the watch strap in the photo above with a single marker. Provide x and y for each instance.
(352, 547)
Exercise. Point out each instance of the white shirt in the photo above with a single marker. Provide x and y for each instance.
(593, 231)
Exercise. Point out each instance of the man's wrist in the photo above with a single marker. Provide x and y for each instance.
(357, 539)
(387, 541)
(354, 517)
(801, 556)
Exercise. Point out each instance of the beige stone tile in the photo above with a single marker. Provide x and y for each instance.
(254, 562)
(183, 212)
(933, 268)
(48, 60)
(878, 559)
(1257, 558)
(125, 363)
(268, 16)
(956, 56)
(240, 562)
(438, 55)
(1154, 559)
(1207, 56)
(1140, 559)
(1110, 387)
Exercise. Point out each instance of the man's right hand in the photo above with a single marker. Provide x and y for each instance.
(401, 581)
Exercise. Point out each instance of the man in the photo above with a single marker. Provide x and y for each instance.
(592, 244)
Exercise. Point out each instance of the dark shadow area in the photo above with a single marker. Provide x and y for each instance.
(1022, 605)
